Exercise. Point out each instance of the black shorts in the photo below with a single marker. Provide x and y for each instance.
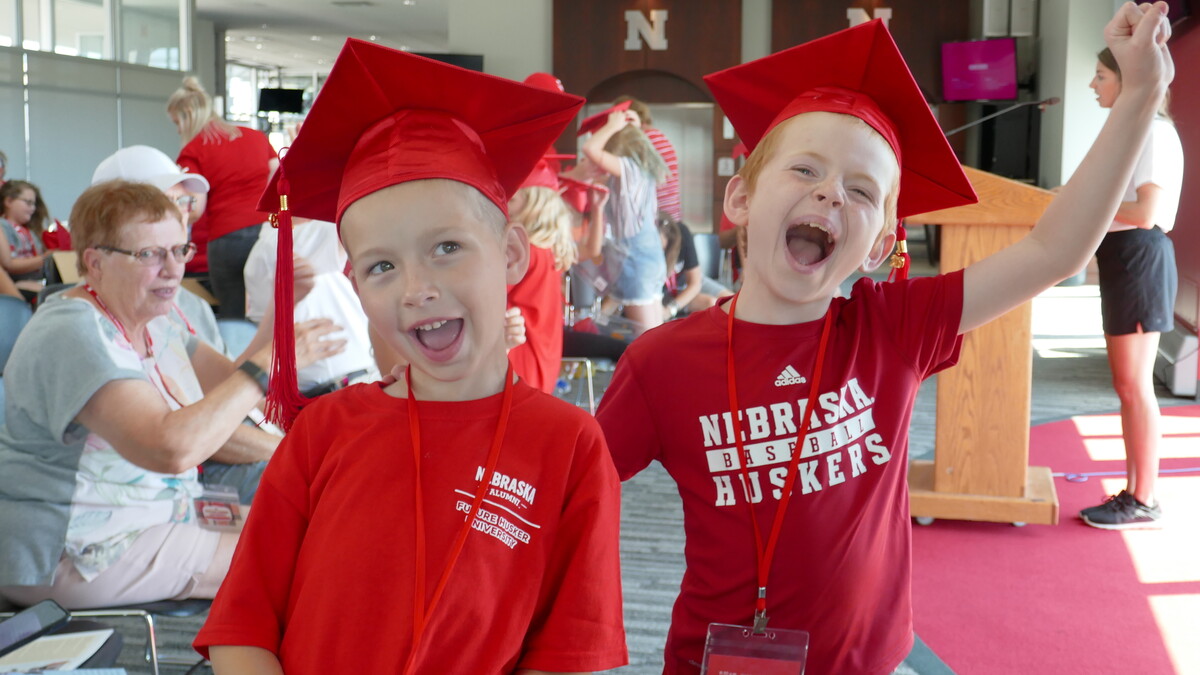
(1138, 281)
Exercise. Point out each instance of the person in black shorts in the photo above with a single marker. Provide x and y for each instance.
(1137, 300)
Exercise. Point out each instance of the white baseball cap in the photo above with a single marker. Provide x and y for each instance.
(144, 164)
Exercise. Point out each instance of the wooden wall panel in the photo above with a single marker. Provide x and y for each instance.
(590, 58)
(918, 26)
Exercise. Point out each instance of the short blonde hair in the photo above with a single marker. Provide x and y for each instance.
(765, 150)
(547, 219)
(192, 107)
(104, 209)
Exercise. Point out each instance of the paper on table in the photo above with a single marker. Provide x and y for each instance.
(56, 652)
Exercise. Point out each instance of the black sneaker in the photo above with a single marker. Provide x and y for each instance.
(1114, 502)
(1122, 512)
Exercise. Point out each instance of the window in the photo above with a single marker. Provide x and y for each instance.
(150, 32)
(81, 28)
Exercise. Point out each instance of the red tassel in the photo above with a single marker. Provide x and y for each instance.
(284, 399)
(900, 259)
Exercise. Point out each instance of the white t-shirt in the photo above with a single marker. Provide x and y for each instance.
(1161, 163)
(332, 297)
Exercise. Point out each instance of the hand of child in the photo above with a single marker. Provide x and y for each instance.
(617, 120)
(304, 278)
(514, 328)
(311, 342)
(1137, 36)
(597, 196)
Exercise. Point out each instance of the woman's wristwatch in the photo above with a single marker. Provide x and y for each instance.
(260, 376)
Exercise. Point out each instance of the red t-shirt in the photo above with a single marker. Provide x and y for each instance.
(668, 190)
(323, 574)
(842, 566)
(540, 297)
(237, 171)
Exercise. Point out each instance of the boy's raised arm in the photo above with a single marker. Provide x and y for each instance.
(1070, 230)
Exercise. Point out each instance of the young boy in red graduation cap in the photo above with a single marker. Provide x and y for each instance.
(842, 144)
(454, 521)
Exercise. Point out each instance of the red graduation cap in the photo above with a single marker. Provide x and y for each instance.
(386, 117)
(590, 124)
(857, 71)
(543, 175)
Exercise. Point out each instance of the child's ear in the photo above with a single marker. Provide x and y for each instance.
(516, 252)
(737, 201)
(880, 252)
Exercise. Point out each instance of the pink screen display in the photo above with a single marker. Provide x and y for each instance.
(982, 70)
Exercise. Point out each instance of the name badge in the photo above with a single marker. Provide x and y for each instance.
(218, 509)
(740, 650)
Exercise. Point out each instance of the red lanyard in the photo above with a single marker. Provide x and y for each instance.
(766, 554)
(421, 612)
(149, 343)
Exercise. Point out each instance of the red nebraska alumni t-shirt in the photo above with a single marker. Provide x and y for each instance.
(323, 573)
(842, 566)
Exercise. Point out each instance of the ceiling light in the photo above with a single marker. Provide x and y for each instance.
(374, 38)
(353, 3)
(258, 46)
(403, 48)
(409, 3)
(315, 38)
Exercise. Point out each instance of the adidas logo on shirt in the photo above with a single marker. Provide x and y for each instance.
(789, 376)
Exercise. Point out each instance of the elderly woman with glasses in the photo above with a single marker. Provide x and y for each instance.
(112, 403)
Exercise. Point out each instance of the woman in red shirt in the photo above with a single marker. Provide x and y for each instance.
(237, 161)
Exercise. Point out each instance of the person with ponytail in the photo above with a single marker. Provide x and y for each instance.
(1138, 283)
(237, 161)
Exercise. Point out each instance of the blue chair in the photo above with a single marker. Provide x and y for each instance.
(14, 314)
(237, 334)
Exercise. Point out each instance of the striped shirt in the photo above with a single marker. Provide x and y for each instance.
(668, 190)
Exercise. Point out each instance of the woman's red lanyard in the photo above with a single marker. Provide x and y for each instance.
(766, 554)
(149, 343)
(421, 612)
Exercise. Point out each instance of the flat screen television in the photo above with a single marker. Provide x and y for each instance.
(281, 100)
(982, 70)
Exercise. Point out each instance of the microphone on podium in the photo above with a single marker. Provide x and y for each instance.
(1042, 105)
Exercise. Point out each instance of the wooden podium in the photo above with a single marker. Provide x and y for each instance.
(980, 469)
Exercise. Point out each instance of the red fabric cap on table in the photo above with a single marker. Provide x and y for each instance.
(590, 124)
(863, 74)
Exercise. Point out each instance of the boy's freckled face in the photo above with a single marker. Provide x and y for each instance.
(431, 275)
(817, 208)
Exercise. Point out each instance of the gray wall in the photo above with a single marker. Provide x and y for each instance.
(80, 111)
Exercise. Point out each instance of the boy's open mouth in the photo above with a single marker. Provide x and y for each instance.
(438, 335)
(809, 243)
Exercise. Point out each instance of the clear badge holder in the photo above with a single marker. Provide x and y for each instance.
(218, 509)
(739, 650)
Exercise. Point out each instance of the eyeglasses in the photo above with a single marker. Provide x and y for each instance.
(31, 202)
(157, 255)
(185, 202)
